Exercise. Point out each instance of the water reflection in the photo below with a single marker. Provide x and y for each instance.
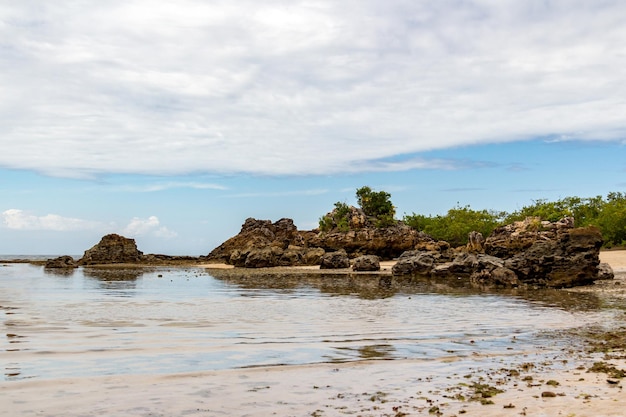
(13, 339)
(379, 286)
(119, 282)
(114, 274)
(60, 272)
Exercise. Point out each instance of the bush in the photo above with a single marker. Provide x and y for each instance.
(456, 225)
(338, 218)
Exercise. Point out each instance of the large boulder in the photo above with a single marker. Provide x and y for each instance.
(112, 249)
(366, 263)
(335, 260)
(415, 263)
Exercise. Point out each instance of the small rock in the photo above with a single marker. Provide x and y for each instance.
(548, 394)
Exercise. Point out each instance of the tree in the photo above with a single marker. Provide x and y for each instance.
(375, 203)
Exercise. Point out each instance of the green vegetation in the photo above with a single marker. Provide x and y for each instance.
(456, 224)
(608, 214)
(338, 218)
(375, 204)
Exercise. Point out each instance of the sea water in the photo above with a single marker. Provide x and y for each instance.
(94, 322)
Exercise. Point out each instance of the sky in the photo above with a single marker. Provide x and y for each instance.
(173, 122)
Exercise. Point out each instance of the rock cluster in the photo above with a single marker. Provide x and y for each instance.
(112, 248)
(529, 252)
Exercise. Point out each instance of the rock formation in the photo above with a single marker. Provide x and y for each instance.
(528, 252)
(112, 249)
(261, 243)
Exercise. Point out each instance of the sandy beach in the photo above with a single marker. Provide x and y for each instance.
(478, 385)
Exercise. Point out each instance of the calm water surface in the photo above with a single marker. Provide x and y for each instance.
(109, 322)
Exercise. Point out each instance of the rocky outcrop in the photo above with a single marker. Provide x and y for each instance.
(280, 243)
(548, 254)
(62, 262)
(112, 249)
(530, 252)
(261, 243)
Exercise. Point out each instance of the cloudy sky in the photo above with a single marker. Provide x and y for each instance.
(172, 122)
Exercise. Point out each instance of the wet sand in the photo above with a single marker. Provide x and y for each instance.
(375, 388)
(560, 386)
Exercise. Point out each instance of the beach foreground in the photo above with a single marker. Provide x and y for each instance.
(479, 385)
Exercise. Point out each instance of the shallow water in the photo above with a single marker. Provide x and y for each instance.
(94, 322)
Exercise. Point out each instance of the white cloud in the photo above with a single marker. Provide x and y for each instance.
(21, 220)
(270, 194)
(147, 227)
(284, 87)
(162, 186)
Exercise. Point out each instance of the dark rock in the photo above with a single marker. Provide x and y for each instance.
(335, 260)
(414, 263)
(605, 271)
(366, 263)
(61, 262)
(112, 249)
